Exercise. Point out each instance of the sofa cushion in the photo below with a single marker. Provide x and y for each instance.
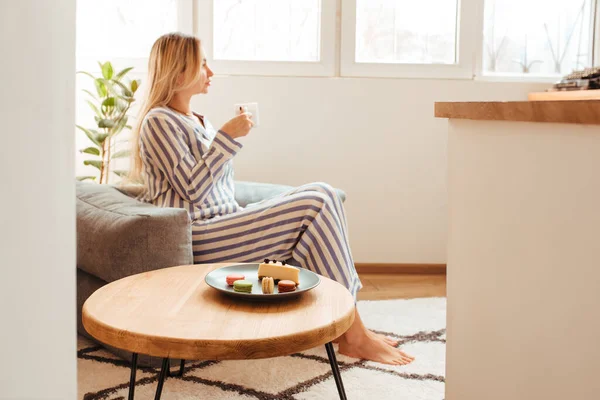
(118, 236)
(245, 192)
(253, 192)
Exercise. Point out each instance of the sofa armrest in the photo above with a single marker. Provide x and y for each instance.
(131, 190)
(118, 236)
(254, 192)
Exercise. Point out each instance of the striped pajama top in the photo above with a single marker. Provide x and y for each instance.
(187, 165)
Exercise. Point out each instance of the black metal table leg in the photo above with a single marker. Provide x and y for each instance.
(161, 378)
(165, 371)
(132, 378)
(181, 367)
(336, 371)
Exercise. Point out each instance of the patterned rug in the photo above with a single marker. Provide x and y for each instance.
(419, 324)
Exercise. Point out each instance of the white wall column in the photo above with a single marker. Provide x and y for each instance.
(37, 202)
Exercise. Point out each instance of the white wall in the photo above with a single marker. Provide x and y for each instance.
(375, 138)
(37, 221)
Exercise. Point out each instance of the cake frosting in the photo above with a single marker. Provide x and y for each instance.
(278, 271)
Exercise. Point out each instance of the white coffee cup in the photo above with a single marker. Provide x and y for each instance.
(251, 108)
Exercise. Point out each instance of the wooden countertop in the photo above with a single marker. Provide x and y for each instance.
(569, 112)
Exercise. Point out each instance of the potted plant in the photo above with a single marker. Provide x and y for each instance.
(110, 104)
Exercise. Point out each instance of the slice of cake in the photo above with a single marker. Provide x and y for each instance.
(278, 271)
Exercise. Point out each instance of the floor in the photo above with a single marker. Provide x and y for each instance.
(401, 286)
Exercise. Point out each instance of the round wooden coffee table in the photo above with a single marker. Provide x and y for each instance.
(173, 313)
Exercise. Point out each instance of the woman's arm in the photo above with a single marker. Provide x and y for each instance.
(192, 179)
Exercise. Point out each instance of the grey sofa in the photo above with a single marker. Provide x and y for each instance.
(119, 236)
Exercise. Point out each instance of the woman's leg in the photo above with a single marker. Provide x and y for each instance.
(301, 224)
(306, 224)
(337, 204)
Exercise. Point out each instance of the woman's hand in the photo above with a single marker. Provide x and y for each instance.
(238, 126)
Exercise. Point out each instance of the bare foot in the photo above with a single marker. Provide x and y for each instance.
(390, 342)
(374, 349)
(359, 342)
(386, 339)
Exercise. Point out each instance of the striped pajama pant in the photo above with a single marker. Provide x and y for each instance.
(307, 224)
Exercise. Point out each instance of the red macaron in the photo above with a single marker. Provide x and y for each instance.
(234, 277)
(286, 286)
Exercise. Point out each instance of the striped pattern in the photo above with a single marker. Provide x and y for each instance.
(307, 224)
(187, 165)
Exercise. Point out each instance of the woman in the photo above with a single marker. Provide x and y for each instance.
(185, 162)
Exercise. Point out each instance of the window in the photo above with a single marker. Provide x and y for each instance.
(405, 31)
(123, 31)
(266, 37)
(537, 37)
(267, 31)
(404, 38)
(374, 38)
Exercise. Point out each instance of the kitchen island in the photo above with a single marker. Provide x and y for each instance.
(523, 274)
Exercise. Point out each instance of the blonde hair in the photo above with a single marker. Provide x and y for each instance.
(173, 56)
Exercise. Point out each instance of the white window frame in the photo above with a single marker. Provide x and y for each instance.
(185, 24)
(466, 42)
(324, 67)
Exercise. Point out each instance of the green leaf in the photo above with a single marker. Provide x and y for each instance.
(91, 134)
(107, 70)
(101, 88)
(121, 154)
(91, 94)
(102, 137)
(93, 107)
(128, 127)
(94, 163)
(120, 124)
(135, 84)
(106, 123)
(83, 178)
(87, 73)
(110, 87)
(126, 91)
(120, 172)
(122, 73)
(91, 150)
(109, 102)
(128, 100)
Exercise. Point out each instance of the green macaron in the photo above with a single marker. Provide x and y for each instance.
(242, 286)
